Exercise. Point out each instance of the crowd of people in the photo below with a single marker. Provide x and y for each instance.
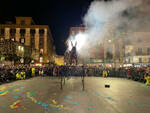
(12, 73)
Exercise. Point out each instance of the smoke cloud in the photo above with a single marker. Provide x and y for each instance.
(105, 18)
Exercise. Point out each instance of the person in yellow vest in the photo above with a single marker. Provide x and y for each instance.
(147, 78)
(20, 75)
(33, 71)
(105, 73)
(23, 75)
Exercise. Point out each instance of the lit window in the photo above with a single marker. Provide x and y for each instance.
(140, 60)
(22, 40)
(1, 39)
(13, 39)
(139, 51)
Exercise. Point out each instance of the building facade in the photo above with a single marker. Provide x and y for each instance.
(119, 49)
(137, 50)
(77, 30)
(130, 48)
(36, 37)
(14, 52)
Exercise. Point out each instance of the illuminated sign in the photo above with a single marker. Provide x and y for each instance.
(37, 64)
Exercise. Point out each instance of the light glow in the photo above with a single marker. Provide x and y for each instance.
(38, 64)
(80, 39)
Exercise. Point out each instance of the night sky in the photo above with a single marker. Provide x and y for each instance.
(60, 15)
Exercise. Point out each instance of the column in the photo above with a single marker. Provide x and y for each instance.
(7, 33)
(37, 38)
(27, 37)
(45, 41)
(17, 34)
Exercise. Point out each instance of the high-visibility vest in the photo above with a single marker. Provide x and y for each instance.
(23, 75)
(105, 73)
(147, 80)
(20, 75)
(33, 70)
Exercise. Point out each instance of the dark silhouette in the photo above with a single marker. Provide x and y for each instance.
(73, 54)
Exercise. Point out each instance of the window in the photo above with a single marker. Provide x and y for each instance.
(129, 54)
(129, 60)
(22, 22)
(139, 51)
(76, 33)
(1, 39)
(41, 42)
(72, 32)
(140, 60)
(22, 31)
(12, 31)
(109, 55)
(22, 40)
(32, 41)
(148, 51)
(2, 31)
(139, 40)
(41, 31)
(12, 34)
(32, 31)
(13, 39)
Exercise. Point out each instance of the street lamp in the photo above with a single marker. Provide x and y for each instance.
(22, 49)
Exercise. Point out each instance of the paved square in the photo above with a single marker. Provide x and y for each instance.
(43, 95)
